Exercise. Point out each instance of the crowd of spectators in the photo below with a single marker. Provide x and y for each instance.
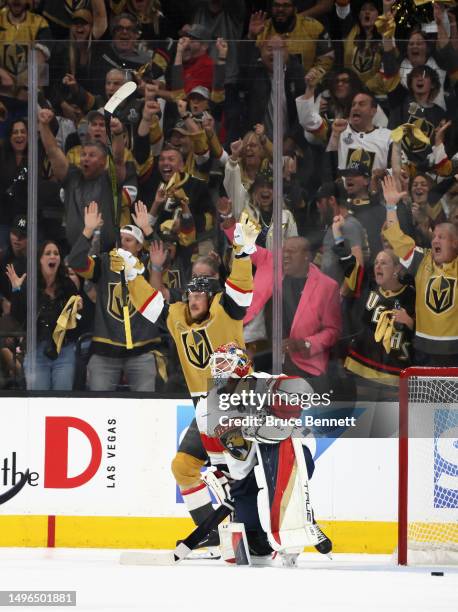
(370, 149)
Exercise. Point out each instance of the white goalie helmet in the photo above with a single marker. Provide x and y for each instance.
(229, 360)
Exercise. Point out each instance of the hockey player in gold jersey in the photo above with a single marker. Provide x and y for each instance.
(436, 277)
(208, 317)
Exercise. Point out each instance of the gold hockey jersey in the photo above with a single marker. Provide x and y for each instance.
(197, 340)
(436, 303)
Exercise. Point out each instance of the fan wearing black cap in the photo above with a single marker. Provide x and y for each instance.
(367, 205)
(192, 55)
(330, 203)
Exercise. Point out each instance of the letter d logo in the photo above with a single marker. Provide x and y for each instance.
(56, 452)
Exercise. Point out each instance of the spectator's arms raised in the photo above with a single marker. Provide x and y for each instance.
(59, 162)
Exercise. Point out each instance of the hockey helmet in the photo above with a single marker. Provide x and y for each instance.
(202, 284)
(230, 360)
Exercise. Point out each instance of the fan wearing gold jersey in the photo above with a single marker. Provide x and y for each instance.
(436, 277)
(18, 28)
(208, 317)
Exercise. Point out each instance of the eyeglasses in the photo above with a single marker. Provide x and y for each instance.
(120, 28)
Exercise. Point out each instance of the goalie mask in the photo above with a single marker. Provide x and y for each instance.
(229, 360)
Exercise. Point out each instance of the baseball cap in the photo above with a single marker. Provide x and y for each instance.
(201, 91)
(327, 190)
(82, 15)
(93, 115)
(180, 127)
(133, 230)
(199, 32)
(355, 168)
(19, 225)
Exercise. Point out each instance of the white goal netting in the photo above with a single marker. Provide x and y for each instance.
(432, 497)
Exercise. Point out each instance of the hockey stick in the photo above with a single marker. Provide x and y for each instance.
(113, 103)
(4, 497)
(185, 547)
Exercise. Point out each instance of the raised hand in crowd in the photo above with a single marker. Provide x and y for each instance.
(45, 116)
(339, 126)
(116, 127)
(151, 108)
(312, 78)
(224, 208)
(208, 124)
(70, 81)
(93, 219)
(289, 167)
(337, 224)
(15, 280)
(141, 218)
(236, 149)
(151, 91)
(157, 254)
(439, 132)
(182, 45)
(390, 191)
(159, 201)
(222, 48)
(256, 25)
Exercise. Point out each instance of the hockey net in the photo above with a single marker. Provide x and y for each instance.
(428, 467)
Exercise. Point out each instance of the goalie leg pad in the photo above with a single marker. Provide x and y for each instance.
(284, 504)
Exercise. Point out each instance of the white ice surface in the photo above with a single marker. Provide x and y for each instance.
(348, 583)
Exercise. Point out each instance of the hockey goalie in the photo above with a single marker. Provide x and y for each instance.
(251, 429)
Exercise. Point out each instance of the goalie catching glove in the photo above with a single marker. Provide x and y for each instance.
(245, 234)
(120, 259)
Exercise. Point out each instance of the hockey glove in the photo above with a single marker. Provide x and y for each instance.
(245, 234)
(120, 259)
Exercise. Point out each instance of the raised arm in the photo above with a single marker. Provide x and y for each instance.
(59, 162)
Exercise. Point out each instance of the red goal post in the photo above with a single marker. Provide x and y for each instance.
(428, 466)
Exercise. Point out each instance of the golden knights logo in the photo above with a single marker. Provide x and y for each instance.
(409, 142)
(440, 293)
(114, 305)
(75, 5)
(173, 280)
(14, 58)
(197, 347)
(363, 58)
(360, 157)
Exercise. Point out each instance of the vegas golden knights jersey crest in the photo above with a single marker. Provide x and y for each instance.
(440, 293)
(413, 144)
(173, 279)
(360, 156)
(114, 304)
(363, 59)
(197, 347)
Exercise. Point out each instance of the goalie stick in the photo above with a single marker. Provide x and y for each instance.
(124, 92)
(185, 547)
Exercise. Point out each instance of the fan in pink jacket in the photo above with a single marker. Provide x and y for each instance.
(317, 323)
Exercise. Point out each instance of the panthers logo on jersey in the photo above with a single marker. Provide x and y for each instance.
(197, 347)
(235, 444)
(440, 294)
(114, 306)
